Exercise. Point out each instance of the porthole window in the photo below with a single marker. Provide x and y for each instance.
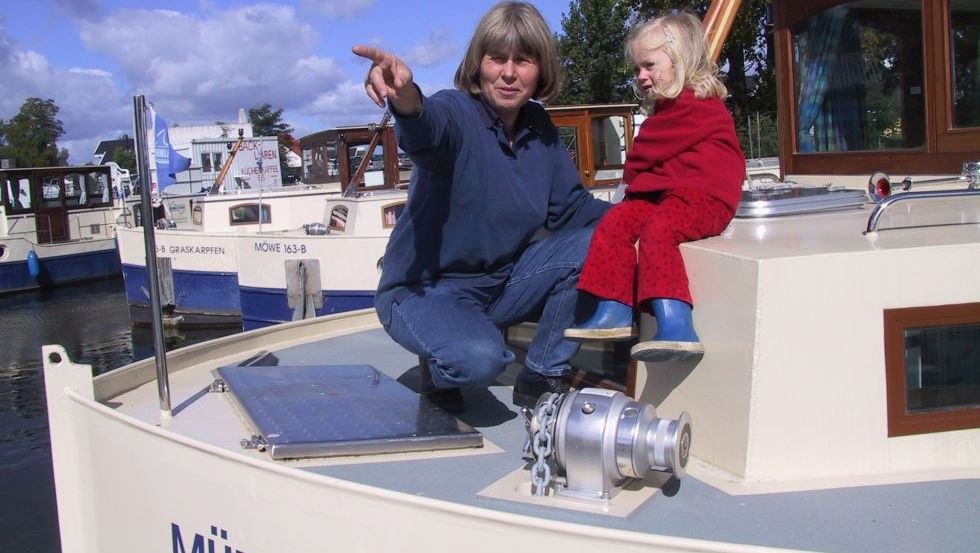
(338, 218)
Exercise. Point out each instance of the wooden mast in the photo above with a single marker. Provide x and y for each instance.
(718, 23)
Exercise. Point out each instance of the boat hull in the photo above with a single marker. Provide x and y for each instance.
(261, 307)
(58, 264)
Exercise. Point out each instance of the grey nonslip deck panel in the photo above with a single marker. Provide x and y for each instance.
(332, 410)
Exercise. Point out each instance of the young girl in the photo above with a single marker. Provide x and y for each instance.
(684, 180)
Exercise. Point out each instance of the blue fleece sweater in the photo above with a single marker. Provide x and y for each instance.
(475, 201)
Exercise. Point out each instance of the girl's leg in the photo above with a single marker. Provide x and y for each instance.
(663, 283)
(609, 273)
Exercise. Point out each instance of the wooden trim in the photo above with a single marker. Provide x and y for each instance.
(896, 321)
(945, 150)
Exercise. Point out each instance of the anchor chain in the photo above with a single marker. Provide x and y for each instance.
(541, 445)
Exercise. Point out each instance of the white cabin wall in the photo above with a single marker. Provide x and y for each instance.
(717, 392)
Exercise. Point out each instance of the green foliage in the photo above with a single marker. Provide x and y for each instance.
(591, 48)
(267, 121)
(30, 137)
(125, 157)
(757, 134)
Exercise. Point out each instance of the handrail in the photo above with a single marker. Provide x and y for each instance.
(908, 196)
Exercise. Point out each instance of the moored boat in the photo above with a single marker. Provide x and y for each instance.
(58, 225)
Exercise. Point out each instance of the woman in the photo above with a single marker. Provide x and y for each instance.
(490, 172)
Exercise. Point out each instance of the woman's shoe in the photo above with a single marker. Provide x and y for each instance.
(675, 339)
(448, 399)
(611, 321)
(530, 386)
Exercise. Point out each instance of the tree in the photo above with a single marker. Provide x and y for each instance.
(267, 121)
(30, 137)
(125, 157)
(591, 47)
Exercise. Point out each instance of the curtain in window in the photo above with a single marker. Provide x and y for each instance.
(830, 111)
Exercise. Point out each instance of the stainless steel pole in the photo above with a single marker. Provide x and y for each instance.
(149, 240)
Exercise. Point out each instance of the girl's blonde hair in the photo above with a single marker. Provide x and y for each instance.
(682, 38)
(512, 27)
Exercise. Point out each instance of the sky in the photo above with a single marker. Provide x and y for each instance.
(199, 61)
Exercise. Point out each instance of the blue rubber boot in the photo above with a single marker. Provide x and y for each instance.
(675, 339)
(611, 321)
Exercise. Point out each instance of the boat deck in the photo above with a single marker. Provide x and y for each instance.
(923, 516)
(747, 393)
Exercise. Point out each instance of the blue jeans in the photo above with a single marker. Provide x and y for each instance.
(458, 327)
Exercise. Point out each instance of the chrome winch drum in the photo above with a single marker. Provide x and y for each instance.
(602, 438)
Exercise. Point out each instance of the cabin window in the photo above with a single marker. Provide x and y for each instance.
(87, 189)
(390, 213)
(246, 214)
(569, 137)
(859, 78)
(609, 146)
(320, 163)
(964, 33)
(338, 218)
(51, 189)
(932, 363)
(17, 194)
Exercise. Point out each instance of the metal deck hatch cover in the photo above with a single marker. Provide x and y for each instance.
(796, 200)
(333, 410)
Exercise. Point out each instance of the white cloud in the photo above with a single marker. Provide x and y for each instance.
(338, 8)
(90, 107)
(198, 68)
(201, 67)
(439, 47)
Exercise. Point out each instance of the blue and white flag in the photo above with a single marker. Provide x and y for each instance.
(168, 162)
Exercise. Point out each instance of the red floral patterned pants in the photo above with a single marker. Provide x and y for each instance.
(660, 222)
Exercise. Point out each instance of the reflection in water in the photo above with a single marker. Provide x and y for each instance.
(92, 322)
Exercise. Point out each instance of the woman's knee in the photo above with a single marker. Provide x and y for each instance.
(473, 362)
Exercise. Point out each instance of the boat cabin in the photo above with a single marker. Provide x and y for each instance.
(335, 156)
(57, 203)
(597, 138)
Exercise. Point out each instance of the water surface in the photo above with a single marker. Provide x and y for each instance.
(92, 322)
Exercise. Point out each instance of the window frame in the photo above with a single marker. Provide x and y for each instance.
(262, 208)
(896, 322)
(946, 148)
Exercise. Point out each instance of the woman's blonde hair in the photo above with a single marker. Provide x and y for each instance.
(512, 27)
(681, 35)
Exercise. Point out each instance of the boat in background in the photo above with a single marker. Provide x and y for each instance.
(198, 261)
(294, 274)
(57, 224)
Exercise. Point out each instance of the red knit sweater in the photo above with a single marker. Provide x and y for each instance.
(687, 142)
